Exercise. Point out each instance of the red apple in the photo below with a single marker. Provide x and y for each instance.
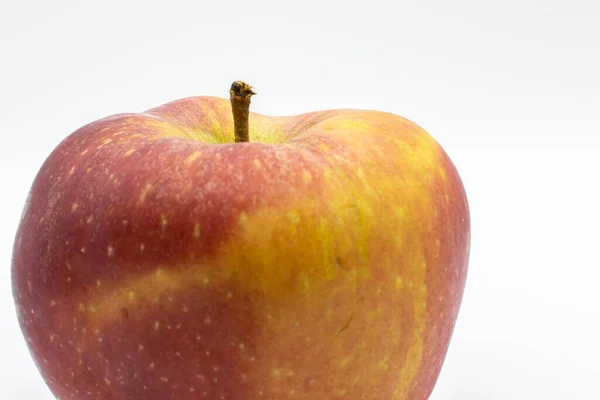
(324, 259)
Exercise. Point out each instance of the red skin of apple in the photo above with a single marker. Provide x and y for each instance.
(329, 264)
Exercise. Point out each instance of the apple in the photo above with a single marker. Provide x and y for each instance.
(323, 257)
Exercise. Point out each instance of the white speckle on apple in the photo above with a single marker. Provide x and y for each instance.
(307, 177)
(151, 365)
(104, 143)
(164, 379)
(207, 320)
(206, 280)
(196, 230)
(192, 389)
(399, 282)
(144, 192)
(215, 368)
(184, 309)
(128, 153)
(82, 249)
(74, 207)
(110, 251)
(140, 347)
(142, 247)
(52, 303)
(156, 325)
(72, 170)
(193, 156)
(229, 295)
(163, 221)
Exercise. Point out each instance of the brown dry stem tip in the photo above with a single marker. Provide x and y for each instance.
(239, 95)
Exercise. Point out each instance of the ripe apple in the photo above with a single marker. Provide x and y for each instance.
(325, 258)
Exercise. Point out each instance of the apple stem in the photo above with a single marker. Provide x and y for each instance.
(239, 95)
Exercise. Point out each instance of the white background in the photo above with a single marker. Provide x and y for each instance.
(510, 88)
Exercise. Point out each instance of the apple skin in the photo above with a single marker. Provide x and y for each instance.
(325, 259)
